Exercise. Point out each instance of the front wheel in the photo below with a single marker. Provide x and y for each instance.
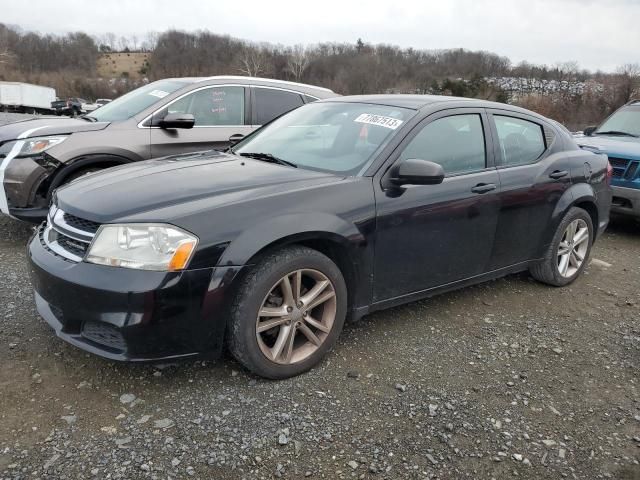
(569, 251)
(288, 313)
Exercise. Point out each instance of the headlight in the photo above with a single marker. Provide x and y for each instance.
(30, 146)
(143, 247)
(36, 145)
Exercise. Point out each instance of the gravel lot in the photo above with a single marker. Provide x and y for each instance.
(14, 117)
(511, 378)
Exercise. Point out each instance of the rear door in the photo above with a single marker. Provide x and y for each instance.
(220, 111)
(269, 103)
(431, 235)
(534, 173)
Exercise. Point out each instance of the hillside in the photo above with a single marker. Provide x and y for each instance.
(76, 64)
(122, 64)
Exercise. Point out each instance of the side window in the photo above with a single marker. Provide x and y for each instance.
(216, 106)
(271, 103)
(456, 143)
(521, 141)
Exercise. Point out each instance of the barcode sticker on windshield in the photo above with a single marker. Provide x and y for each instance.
(159, 93)
(381, 121)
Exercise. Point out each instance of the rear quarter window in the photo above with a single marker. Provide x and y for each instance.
(521, 141)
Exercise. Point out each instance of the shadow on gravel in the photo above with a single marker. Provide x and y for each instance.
(14, 231)
(620, 225)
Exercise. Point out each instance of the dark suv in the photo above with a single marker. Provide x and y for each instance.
(166, 117)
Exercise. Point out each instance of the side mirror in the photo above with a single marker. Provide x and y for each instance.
(414, 171)
(177, 120)
(235, 138)
(589, 131)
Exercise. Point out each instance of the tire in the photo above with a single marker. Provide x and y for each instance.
(262, 288)
(81, 173)
(550, 269)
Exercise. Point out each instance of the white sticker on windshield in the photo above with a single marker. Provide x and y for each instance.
(381, 121)
(159, 93)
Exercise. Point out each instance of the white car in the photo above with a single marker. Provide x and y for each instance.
(90, 107)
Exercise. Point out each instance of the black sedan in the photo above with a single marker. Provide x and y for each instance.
(335, 210)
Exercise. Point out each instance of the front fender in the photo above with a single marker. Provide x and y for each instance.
(298, 225)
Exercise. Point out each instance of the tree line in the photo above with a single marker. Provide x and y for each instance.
(68, 63)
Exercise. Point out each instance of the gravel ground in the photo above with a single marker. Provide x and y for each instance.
(511, 378)
(15, 117)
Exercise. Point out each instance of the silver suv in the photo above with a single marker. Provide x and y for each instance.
(177, 115)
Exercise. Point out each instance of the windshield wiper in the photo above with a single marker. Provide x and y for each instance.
(267, 157)
(89, 118)
(617, 132)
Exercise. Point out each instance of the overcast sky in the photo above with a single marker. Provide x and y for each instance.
(599, 34)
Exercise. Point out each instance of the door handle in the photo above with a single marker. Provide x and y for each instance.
(483, 187)
(557, 174)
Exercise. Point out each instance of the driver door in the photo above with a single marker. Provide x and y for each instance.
(219, 112)
(431, 235)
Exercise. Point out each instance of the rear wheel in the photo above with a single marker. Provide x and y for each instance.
(288, 313)
(569, 251)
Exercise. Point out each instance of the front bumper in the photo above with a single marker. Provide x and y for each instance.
(626, 201)
(131, 315)
(20, 179)
(32, 215)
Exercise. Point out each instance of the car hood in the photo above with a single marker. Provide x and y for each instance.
(166, 189)
(626, 147)
(47, 126)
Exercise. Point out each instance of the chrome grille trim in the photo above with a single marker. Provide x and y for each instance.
(56, 248)
(59, 223)
(64, 239)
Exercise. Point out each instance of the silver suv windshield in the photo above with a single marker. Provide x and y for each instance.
(335, 137)
(625, 121)
(136, 101)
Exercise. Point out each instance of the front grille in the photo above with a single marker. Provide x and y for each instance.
(67, 236)
(75, 247)
(104, 334)
(80, 223)
(632, 171)
(618, 162)
(624, 168)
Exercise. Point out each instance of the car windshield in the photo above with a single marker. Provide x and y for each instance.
(624, 121)
(335, 137)
(136, 101)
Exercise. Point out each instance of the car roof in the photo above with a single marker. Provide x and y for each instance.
(265, 82)
(417, 102)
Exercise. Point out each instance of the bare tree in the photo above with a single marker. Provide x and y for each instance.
(253, 61)
(109, 39)
(297, 62)
(5, 56)
(629, 81)
(134, 42)
(567, 71)
(150, 41)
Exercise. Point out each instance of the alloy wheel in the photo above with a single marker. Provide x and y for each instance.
(296, 316)
(573, 248)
